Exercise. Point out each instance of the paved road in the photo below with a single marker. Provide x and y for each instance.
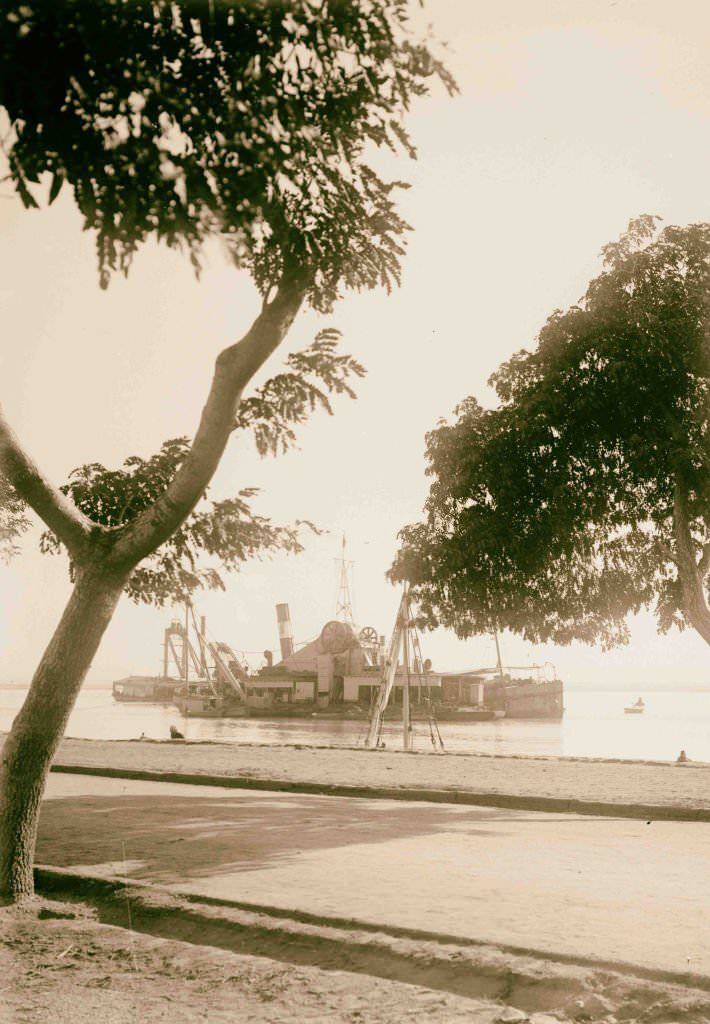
(592, 887)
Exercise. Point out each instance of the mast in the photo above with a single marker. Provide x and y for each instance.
(407, 737)
(499, 663)
(344, 603)
(185, 641)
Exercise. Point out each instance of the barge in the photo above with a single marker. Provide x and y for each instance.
(145, 689)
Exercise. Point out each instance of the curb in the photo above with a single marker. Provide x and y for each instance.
(555, 805)
(525, 978)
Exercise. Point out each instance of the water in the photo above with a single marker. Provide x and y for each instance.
(594, 725)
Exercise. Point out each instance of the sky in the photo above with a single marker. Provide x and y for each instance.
(573, 117)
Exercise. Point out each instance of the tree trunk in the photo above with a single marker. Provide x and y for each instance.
(37, 730)
(39, 726)
(692, 580)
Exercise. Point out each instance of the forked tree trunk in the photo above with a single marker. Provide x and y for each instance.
(38, 728)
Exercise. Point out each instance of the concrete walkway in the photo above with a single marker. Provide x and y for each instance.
(600, 888)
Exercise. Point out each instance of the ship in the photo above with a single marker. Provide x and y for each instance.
(345, 672)
(339, 674)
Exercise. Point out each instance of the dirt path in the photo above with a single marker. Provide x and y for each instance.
(621, 783)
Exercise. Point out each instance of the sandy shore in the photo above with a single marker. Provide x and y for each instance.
(624, 783)
(78, 972)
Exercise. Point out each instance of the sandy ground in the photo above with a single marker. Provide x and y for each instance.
(78, 972)
(604, 888)
(686, 786)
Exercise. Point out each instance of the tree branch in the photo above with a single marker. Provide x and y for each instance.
(234, 368)
(57, 511)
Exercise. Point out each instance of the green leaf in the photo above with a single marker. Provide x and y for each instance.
(56, 186)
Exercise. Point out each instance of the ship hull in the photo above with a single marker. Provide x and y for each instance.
(516, 701)
(469, 716)
(526, 698)
(145, 690)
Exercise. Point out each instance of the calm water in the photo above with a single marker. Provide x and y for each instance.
(594, 726)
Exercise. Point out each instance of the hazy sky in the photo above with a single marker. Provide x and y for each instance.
(574, 116)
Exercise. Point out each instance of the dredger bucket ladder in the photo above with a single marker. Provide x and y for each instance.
(219, 660)
(389, 672)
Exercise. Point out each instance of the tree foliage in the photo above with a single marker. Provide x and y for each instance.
(585, 494)
(249, 120)
(13, 520)
(217, 536)
(288, 398)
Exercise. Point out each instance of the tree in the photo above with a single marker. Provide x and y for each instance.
(251, 121)
(227, 532)
(585, 494)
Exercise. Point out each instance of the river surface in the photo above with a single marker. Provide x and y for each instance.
(594, 725)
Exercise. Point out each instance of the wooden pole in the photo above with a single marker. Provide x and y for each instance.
(500, 663)
(203, 641)
(166, 642)
(185, 662)
(405, 690)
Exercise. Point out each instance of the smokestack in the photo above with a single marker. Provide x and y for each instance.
(285, 630)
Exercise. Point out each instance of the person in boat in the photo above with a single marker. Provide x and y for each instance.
(639, 703)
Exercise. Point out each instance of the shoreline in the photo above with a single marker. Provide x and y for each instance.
(394, 750)
(570, 785)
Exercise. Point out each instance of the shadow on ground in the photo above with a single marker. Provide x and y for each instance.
(169, 839)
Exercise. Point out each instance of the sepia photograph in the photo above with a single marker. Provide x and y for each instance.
(354, 511)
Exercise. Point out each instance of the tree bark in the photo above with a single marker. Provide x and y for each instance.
(691, 571)
(53, 507)
(30, 747)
